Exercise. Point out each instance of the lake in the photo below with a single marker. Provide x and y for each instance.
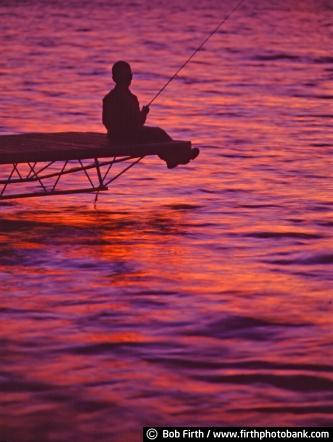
(200, 295)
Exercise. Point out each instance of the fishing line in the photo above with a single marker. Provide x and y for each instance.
(196, 50)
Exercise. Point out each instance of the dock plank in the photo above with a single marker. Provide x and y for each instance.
(62, 146)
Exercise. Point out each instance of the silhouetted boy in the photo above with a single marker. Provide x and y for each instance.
(125, 121)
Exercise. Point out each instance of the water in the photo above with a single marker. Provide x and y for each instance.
(197, 296)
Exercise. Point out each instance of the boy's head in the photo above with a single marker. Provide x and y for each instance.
(122, 73)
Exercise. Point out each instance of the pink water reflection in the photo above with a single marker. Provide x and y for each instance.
(200, 295)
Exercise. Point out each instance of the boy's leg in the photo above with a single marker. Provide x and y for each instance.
(148, 134)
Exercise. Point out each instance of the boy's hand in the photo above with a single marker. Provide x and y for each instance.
(145, 110)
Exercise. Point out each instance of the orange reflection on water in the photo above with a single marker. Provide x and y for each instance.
(199, 295)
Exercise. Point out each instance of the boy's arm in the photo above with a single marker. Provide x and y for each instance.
(106, 115)
(144, 113)
(141, 115)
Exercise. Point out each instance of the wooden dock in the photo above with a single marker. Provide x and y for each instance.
(62, 146)
(45, 158)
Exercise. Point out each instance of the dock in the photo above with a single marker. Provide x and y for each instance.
(45, 158)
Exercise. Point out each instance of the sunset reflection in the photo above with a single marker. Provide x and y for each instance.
(199, 295)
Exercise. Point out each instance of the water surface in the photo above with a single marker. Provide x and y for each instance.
(197, 296)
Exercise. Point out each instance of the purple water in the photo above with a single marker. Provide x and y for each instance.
(200, 295)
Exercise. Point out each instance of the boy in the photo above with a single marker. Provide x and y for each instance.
(125, 121)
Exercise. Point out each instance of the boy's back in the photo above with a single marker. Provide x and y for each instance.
(121, 112)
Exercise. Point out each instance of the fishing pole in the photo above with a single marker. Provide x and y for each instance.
(196, 50)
